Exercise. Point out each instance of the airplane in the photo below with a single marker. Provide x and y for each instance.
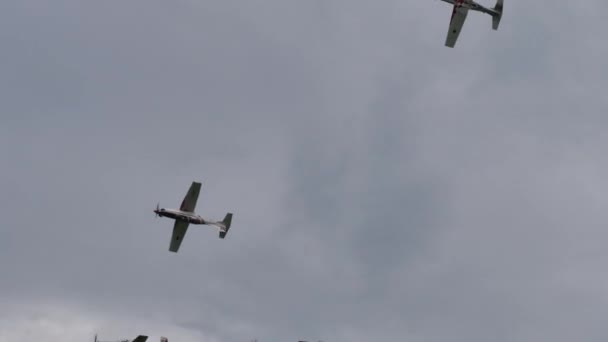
(459, 15)
(184, 216)
(140, 338)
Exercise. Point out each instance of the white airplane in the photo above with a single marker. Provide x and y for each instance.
(186, 216)
(459, 15)
(140, 338)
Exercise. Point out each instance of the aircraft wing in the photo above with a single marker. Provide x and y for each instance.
(140, 338)
(189, 202)
(179, 231)
(459, 15)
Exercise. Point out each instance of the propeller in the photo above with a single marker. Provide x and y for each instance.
(157, 210)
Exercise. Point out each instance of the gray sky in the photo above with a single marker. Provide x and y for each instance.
(384, 187)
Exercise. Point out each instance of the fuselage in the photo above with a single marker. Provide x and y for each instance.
(191, 218)
(470, 4)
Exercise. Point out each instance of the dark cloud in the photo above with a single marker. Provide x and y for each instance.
(384, 187)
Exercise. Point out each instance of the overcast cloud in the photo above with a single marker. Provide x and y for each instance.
(384, 187)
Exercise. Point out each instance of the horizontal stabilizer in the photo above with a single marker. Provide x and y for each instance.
(497, 15)
(226, 222)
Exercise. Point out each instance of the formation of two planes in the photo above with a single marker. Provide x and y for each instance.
(184, 216)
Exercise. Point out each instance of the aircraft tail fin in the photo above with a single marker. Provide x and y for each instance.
(497, 14)
(226, 222)
(164, 339)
